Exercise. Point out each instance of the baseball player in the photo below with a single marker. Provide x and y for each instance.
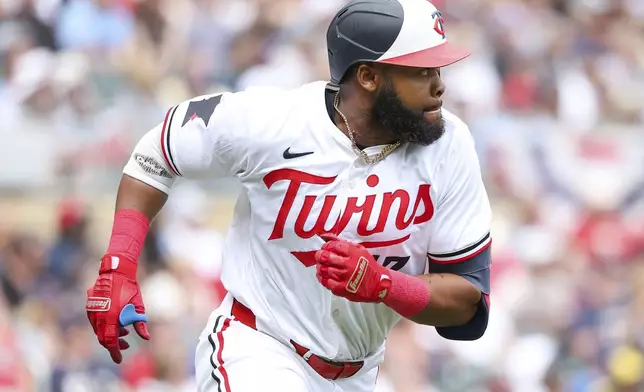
(361, 203)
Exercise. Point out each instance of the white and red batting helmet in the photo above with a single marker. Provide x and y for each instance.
(399, 32)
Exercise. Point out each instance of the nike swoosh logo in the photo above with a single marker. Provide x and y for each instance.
(290, 155)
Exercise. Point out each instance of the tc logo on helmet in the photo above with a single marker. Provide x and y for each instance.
(439, 23)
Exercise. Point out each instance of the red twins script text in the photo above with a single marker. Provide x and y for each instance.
(403, 218)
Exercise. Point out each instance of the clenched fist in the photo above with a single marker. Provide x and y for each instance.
(348, 270)
(115, 302)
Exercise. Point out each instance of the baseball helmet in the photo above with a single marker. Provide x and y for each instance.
(399, 32)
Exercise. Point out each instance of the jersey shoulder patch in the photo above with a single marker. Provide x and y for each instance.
(201, 108)
(235, 107)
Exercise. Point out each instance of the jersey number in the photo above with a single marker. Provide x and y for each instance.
(396, 262)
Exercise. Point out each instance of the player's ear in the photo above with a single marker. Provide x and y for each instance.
(368, 77)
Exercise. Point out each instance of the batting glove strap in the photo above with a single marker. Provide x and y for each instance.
(118, 264)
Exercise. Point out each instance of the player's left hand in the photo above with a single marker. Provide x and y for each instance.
(348, 270)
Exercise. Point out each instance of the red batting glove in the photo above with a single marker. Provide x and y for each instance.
(115, 302)
(348, 270)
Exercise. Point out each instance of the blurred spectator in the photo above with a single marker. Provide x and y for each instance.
(70, 250)
(93, 24)
(553, 95)
(77, 368)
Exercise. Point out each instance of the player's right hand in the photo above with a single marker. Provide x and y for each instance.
(114, 302)
(348, 270)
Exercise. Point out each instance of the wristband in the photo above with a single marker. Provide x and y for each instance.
(408, 295)
(128, 234)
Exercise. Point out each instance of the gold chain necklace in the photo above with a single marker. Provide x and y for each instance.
(352, 136)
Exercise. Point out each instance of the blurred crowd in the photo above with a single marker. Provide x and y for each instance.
(553, 94)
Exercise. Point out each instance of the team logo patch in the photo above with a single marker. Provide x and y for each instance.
(201, 109)
(151, 166)
(358, 275)
(98, 304)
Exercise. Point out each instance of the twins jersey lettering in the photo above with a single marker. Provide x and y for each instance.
(422, 208)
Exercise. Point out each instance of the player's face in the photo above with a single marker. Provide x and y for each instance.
(408, 104)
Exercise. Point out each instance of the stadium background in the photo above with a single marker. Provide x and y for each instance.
(554, 95)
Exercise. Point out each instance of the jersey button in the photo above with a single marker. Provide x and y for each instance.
(336, 312)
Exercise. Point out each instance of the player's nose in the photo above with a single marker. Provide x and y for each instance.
(438, 88)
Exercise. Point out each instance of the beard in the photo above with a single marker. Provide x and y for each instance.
(392, 116)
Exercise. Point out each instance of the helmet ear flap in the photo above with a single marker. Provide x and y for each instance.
(350, 72)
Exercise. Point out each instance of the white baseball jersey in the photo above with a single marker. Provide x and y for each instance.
(301, 177)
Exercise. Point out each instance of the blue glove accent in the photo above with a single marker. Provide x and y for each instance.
(129, 316)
